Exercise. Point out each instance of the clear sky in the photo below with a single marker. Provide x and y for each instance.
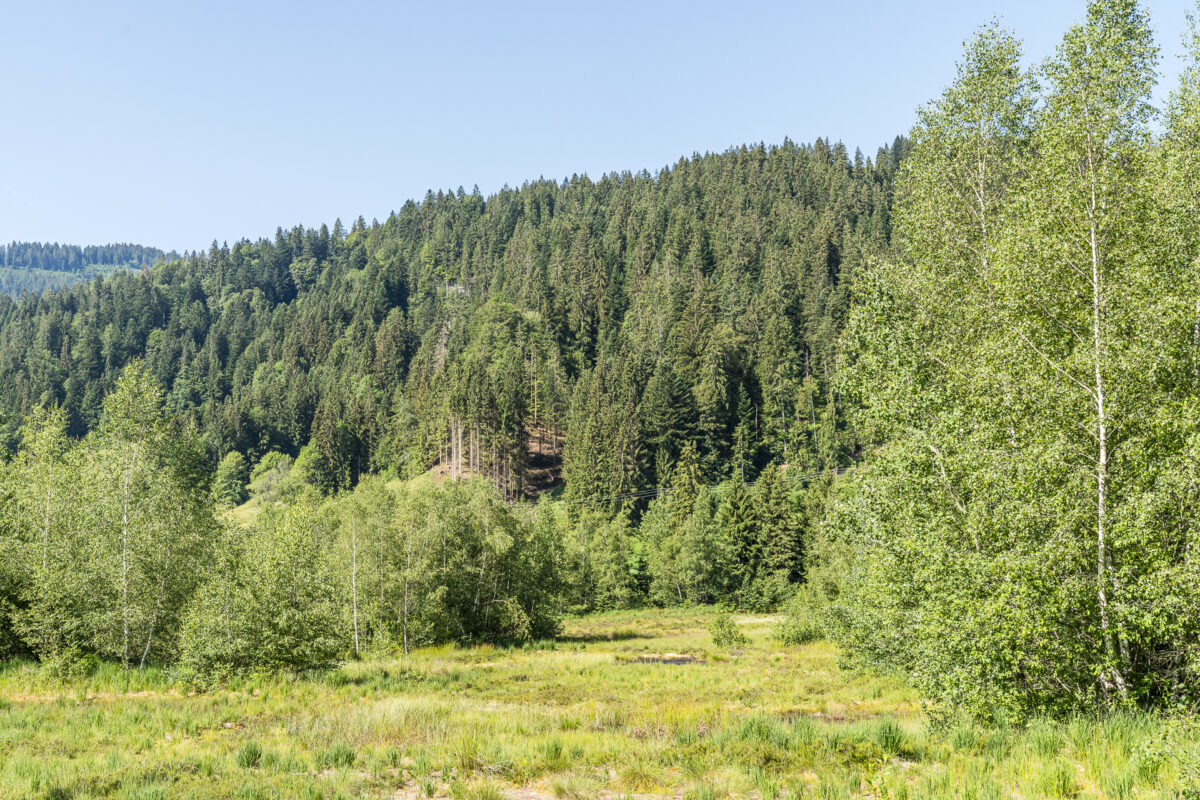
(173, 124)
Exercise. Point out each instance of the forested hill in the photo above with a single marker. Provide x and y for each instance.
(608, 322)
(32, 267)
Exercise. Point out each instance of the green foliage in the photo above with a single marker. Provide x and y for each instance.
(801, 619)
(620, 335)
(269, 478)
(726, 633)
(605, 562)
(686, 558)
(1010, 544)
(70, 664)
(1018, 371)
(270, 601)
(778, 534)
(229, 481)
(1177, 747)
(584, 330)
(108, 535)
(33, 267)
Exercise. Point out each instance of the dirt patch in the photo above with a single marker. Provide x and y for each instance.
(543, 471)
(526, 793)
(664, 658)
(759, 619)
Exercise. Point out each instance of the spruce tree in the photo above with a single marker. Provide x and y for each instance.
(738, 521)
(778, 536)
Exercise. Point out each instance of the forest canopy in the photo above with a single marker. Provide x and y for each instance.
(598, 323)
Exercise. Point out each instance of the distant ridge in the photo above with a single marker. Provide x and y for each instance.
(32, 267)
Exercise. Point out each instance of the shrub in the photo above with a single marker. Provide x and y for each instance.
(71, 664)
(725, 632)
(229, 482)
(269, 478)
(268, 604)
(800, 624)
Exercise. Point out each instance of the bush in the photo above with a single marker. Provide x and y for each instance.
(725, 632)
(229, 482)
(1177, 746)
(70, 664)
(268, 480)
(764, 594)
(800, 624)
(269, 603)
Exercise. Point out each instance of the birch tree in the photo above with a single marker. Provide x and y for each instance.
(273, 604)
(10, 571)
(48, 535)
(920, 367)
(1023, 370)
(1077, 277)
(147, 481)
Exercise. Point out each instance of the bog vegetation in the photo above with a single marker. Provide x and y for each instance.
(938, 406)
(599, 712)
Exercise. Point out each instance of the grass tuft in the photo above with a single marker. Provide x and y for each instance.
(249, 756)
(890, 737)
(340, 756)
(1057, 779)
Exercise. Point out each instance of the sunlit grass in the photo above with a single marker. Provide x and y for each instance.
(589, 715)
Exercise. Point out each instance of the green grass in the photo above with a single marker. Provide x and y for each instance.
(582, 717)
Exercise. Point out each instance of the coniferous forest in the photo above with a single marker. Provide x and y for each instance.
(937, 404)
(597, 342)
(33, 267)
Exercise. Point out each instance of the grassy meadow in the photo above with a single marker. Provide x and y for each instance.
(632, 704)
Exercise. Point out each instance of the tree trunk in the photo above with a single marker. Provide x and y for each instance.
(379, 610)
(46, 524)
(354, 578)
(162, 583)
(1104, 566)
(407, 575)
(125, 560)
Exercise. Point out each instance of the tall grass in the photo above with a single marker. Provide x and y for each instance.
(583, 719)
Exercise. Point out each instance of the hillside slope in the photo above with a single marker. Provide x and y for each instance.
(630, 314)
(33, 267)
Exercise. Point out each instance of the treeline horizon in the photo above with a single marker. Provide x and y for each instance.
(34, 267)
(125, 546)
(56, 257)
(319, 370)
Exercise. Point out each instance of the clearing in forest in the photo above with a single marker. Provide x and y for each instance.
(601, 712)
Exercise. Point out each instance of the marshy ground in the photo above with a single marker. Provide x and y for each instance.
(634, 704)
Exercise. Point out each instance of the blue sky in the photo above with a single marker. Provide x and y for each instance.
(173, 124)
